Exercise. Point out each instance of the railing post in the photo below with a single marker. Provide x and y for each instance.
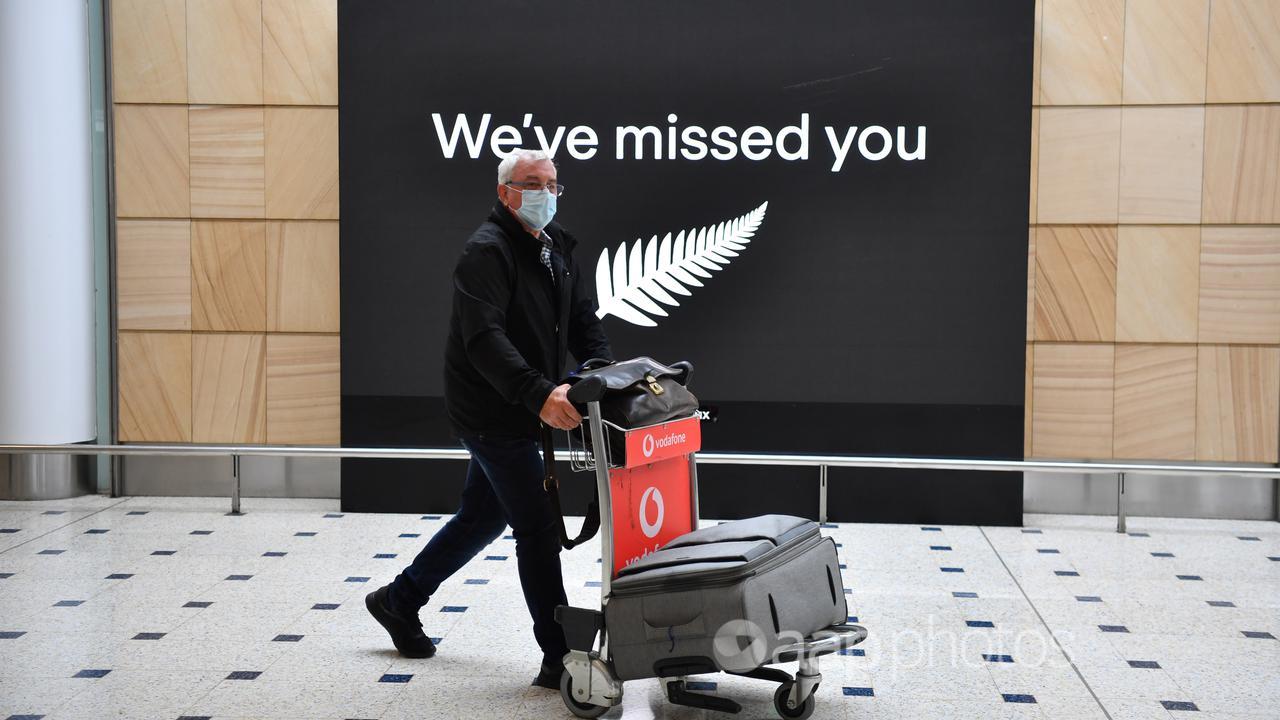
(822, 493)
(235, 493)
(1120, 519)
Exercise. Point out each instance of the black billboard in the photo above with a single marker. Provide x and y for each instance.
(822, 205)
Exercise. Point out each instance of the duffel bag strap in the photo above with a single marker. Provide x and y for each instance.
(590, 524)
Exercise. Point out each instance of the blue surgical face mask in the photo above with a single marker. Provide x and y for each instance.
(537, 207)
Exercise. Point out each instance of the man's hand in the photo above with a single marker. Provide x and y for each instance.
(558, 412)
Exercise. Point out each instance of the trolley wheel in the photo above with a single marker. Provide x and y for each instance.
(780, 703)
(582, 710)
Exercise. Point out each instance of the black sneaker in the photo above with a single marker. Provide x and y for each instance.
(549, 676)
(406, 633)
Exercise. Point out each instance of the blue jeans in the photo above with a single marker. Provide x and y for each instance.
(503, 487)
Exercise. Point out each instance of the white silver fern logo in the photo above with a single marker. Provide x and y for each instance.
(628, 286)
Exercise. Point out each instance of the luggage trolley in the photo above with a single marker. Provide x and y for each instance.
(648, 496)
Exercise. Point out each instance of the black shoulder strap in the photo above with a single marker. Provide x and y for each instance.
(591, 523)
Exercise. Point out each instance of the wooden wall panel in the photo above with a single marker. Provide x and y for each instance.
(1028, 395)
(1161, 156)
(302, 277)
(1158, 284)
(154, 371)
(228, 387)
(304, 389)
(224, 51)
(1033, 211)
(1165, 51)
(1082, 56)
(1241, 171)
(300, 52)
(229, 276)
(228, 155)
(153, 162)
(153, 274)
(1155, 402)
(1079, 165)
(1075, 284)
(1240, 285)
(1244, 51)
(302, 163)
(1238, 403)
(1072, 394)
(149, 51)
(1036, 44)
(1031, 284)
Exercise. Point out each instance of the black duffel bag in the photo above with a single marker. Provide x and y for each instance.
(639, 392)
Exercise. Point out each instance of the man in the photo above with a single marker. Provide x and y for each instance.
(520, 305)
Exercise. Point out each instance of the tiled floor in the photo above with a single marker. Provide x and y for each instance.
(168, 608)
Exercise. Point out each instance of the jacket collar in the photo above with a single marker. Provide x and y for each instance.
(501, 216)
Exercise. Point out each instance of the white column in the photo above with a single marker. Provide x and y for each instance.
(46, 233)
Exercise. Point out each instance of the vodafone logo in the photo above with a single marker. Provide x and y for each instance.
(655, 495)
(648, 445)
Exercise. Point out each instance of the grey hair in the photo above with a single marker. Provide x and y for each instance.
(508, 164)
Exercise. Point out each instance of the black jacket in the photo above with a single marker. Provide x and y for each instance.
(511, 328)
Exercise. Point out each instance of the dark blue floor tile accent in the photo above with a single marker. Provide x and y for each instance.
(196, 717)
(476, 581)
(592, 583)
(1047, 551)
(7, 531)
(1220, 603)
(964, 594)
(979, 623)
(164, 552)
(430, 517)
(68, 603)
(1018, 698)
(700, 685)
(137, 512)
(384, 556)
(394, 678)
(1179, 705)
(54, 512)
(286, 638)
(119, 576)
(931, 529)
(333, 515)
(437, 640)
(325, 606)
(997, 658)
(51, 552)
(848, 591)
(1113, 628)
(858, 692)
(1066, 573)
(1258, 635)
(91, 673)
(500, 557)
(940, 547)
(854, 652)
(852, 619)
(1274, 558)
(201, 532)
(239, 577)
(829, 525)
(32, 717)
(96, 531)
(148, 636)
(11, 634)
(1144, 664)
(5, 576)
(454, 608)
(357, 579)
(1189, 577)
(1032, 531)
(1139, 534)
(1251, 538)
(952, 569)
(1162, 554)
(244, 675)
(838, 545)
(508, 537)
(843, 566)
(274, 553)
(304, 534)
(197, 604)
(410, 535)
(1088, 598)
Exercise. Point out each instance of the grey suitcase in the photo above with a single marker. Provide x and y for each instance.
(724, 597)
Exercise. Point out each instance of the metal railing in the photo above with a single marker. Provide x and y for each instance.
(821, 461)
